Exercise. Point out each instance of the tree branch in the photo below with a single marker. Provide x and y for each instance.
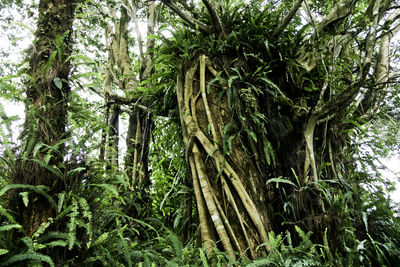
(340, 11)
(215, 18)
(147, 64)
(190, 20)
(286, 20)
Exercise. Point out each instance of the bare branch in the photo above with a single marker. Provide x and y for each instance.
(190, 20)
(340, 11)
(286, 20)
(215, 18)
(138, 35)
(150, 42)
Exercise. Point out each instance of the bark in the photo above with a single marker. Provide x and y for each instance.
(286, 20)
(302, 139)
(46, 111)
(230, 190)
(208, 29)
(140, 121)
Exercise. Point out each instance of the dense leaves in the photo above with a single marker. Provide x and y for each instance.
(274, 87)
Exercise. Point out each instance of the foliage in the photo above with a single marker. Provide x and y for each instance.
(99, 219)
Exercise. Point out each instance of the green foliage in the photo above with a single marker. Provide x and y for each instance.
(100, 220)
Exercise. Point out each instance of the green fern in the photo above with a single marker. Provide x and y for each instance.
(6, 228)
(262, 262)
(203, 258)
(87, 214)
(72, 224)
(280, 180)
(40, 189)
(6, 214)
(3, 251)
(28, 257)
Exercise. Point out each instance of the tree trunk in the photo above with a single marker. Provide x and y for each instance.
(138, 141)
(234, 205)
(233, 160)
(140, 121)
(263, 140)
(48, 89)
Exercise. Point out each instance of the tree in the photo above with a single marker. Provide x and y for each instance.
(251, 119)
(41, 161)
(266, 99)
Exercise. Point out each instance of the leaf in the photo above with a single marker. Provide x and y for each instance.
(61, 197)
(43, 226)
(57, 81)
(40, 189)
(203, 258)
(253, 135)
(3, 251)
(49, 63)
(268, 151)
(28, 257)
(365, 220)
(108, 187)
(72, 224)
(6, 228)
(261, 262)
(75, 171)
(7, 215)
(100, 239)
(25, 198)
(280, 180)
(57, 243)
(50, 168)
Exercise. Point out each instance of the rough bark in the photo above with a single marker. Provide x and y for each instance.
(231, 161)
(140, 121)
(229, 185)
(47, 91)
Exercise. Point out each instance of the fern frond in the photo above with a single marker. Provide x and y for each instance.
(28, 257)
(6, 228)
(72, 224)
(203, 258)
(262, 262)
(87, 214)
(3, 251)
(5, 213)
(53, 235)
(40, 189)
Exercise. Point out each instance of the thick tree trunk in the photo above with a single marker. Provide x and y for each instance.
(234, 205)
(232, 159)
(41, 161)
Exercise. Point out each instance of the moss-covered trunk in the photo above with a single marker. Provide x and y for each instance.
(249, 163)
(228, 181)
(42, 154)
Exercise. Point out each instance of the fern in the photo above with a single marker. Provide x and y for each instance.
(28, 257)
(42, 228)
(203, 258)
(87, 214)
(176, 243)
(72, 224)
(262, 262)
(306, 243)
(53, 235)
(280, 180)
(120, 232)
(40, 189)
(5, 213)
(6, 228)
